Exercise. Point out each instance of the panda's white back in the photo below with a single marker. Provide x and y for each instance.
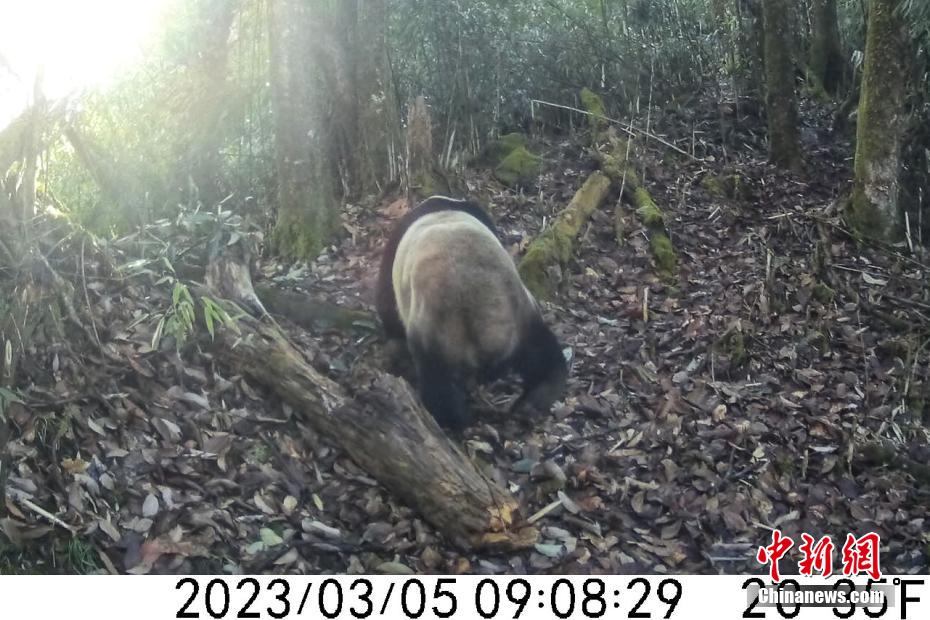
(455, 284)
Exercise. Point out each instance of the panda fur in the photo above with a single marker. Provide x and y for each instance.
(449, 287)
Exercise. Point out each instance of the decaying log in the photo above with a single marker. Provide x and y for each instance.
(615, 161)
(387, 433)
(228, 273)
(553, 248)
(381, 426)
(312, 314)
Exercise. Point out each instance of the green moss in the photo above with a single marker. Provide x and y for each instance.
(519, 168)
(873, 208)
(620, 226)
(816, 89)
(511, 141)
(301, 235)
(647, 210)
(663, 253)
(496, 150)
(554, 246)
(823, 293)
(592, 103)
(724, 186)
(258, 453)
(733, 345)
(533, 271)
(612, 167)
(429, 183)
(863, 216)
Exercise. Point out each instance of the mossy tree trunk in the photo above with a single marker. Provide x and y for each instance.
(366, 112)
(874, 210)
(423, 176)
(780, 105)
(826, 55)
(306, 215)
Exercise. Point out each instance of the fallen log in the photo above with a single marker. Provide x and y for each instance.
(554, 247)
(384, 429)
(310, 313)
(614, 161)
(387, 433)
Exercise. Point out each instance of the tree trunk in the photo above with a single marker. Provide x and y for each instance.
(365, 109)
(209, 96)
(780, 105)
(423, 177)
(307, 215)
(113, 187)
(826, 55)
(752, 43)
(880, 124)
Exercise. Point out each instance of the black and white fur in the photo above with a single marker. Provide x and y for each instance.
(449, 287)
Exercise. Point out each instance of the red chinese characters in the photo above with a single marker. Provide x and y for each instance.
(817, 557)
(774, 552)
(860, 555)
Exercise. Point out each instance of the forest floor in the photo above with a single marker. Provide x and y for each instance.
(781, 381)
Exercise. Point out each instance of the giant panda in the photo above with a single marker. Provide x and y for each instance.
(449, 288)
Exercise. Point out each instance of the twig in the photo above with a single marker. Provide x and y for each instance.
(632, 132)
(90, 310)
(913, 373)
(905, 300)
(543, 512)
(44, 513)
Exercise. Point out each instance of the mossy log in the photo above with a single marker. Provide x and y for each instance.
(553, 248)
(385, 430)
(615, 163)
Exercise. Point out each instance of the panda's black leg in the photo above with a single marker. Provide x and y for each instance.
(442, 394)
(542, 367)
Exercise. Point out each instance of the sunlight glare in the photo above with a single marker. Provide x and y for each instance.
(78, 43)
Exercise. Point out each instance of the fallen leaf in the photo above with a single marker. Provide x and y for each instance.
(150, 506)
(270, 537)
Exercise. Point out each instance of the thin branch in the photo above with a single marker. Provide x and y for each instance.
(632, 131)
(90, 310)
